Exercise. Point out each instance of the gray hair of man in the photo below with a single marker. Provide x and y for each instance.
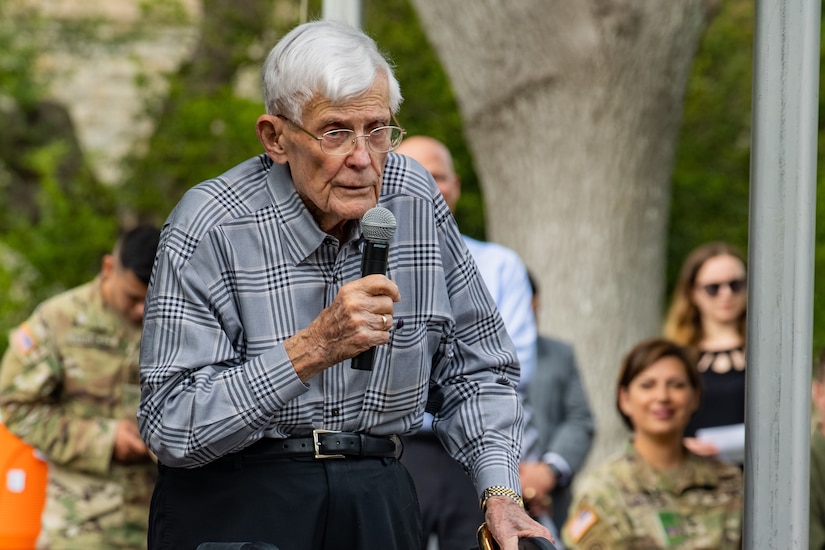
(326, 57)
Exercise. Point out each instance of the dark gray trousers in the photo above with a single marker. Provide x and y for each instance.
(293, 503)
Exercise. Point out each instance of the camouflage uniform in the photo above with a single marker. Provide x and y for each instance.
(70, 373)
(625, 503)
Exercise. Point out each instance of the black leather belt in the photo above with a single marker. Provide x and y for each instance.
(324, 444)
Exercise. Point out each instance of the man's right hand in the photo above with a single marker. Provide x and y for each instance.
(129, 447)
(359, 318)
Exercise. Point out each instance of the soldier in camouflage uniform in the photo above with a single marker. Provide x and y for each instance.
(657, 494)
(69, 387)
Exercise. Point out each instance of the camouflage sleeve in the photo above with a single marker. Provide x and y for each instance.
(595, 521)
(32, 406)
(733, 483)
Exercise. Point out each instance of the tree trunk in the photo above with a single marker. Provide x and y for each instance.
(572, 112)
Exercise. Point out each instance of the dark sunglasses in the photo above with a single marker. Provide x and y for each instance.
(736, 286)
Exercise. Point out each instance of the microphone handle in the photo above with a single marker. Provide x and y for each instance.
(374, 261)
(363, 361)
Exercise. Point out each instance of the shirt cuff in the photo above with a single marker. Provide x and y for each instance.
(560, 467)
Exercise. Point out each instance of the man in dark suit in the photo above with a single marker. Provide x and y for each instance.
(559, 431)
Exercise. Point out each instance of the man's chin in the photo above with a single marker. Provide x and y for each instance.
(357, 208)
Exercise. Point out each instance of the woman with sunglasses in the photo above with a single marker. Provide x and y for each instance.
(707, 314)
(656, 493)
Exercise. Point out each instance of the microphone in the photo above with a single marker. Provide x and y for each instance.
(377, 226)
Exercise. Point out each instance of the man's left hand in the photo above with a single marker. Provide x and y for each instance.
(509, 522)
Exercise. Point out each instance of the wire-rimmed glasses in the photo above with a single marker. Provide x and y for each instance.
(342, 141)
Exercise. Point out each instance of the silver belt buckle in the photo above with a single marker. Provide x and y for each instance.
(316, 443)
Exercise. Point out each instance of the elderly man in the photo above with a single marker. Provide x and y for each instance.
(257, 307)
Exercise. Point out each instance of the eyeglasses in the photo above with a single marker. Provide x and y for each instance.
(342, 141)
(736, 286)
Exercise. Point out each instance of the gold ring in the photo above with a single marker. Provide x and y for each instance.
(383, 321)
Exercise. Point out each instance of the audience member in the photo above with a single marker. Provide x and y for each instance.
(559, 432)
(257, 305)
(69, 388)
(707, 314)
(445, 492)
(502, 270)
(816, 537)
(657, 493)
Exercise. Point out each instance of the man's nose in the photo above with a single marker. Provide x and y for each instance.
(360, 154)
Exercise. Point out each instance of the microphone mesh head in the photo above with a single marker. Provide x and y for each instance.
(378, 224)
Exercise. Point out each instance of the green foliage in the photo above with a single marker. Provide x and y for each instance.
(19, 50)
(819, 246)
(199, 142)
(66, 245)
(203, 127)
(711, 175)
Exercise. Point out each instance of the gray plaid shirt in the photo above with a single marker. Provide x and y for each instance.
(242, 266)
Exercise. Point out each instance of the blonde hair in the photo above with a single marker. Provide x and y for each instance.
(683, 324)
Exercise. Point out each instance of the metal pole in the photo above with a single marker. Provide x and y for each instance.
(781, 250)
(348, 11)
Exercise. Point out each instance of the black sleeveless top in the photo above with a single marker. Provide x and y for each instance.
(723, 390)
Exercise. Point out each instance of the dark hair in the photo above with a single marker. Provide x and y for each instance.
(136, 250)
(647, 352)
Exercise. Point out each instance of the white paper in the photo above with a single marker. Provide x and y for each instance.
(730, 440)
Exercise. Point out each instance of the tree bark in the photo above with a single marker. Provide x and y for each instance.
(572, 112)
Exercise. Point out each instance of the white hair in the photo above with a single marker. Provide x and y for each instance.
(326, 58)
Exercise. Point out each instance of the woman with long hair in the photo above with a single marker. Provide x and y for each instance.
(657, 493)
(707, 314)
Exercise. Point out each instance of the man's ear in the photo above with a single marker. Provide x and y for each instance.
(270, 133)
(107, 266)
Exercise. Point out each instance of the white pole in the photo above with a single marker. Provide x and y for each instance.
(348, 11)
(780, 294)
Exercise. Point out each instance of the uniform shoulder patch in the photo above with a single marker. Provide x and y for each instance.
(579, 524)
(23, 339)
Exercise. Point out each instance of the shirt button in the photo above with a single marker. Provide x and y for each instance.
(336, 412)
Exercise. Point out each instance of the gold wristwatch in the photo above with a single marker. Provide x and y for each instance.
(499, 491)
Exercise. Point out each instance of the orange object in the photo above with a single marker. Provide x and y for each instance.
(23, 477)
